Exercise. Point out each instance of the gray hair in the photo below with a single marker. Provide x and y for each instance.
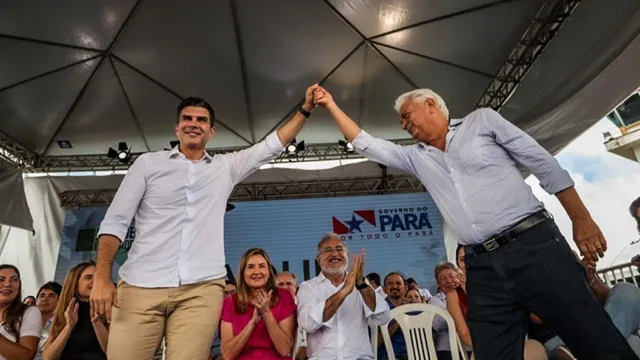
(419, 96)
(288, 273)
(329, 236)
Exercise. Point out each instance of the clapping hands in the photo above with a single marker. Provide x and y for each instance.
(356, 273)
(262, 300)
(71, 313)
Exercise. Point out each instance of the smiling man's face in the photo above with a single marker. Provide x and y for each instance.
(194, 127)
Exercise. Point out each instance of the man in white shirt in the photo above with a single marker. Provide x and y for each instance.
(374, 280)
(334, 307)
(172, 282)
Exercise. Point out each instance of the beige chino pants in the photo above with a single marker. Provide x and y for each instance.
(187, 316)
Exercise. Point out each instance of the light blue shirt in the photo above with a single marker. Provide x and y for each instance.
(179, 208)
(475, 182)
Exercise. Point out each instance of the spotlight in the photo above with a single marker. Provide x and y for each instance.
(123, 154)
(347, 146)
(294, 148)
(607, 136)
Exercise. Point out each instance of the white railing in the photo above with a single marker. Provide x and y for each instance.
(619, 273)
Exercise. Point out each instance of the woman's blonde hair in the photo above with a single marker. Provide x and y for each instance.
(242, 296)
(69, 290)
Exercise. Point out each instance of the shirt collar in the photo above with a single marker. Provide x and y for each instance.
(453, 123)
(176, 152)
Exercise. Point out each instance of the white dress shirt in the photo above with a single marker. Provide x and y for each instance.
(179, 208)
(345, 335)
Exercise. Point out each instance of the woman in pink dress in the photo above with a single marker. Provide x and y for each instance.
(258, 321)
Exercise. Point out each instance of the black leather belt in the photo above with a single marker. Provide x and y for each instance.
(508, 235)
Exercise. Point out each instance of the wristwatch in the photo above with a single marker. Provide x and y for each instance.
(304, 112)
(363, 284)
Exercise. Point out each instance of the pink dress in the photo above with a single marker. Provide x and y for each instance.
(259, 345)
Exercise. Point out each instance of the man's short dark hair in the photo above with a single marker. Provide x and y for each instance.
(229, 282)
(197, 102)
(411, 281)
(404, 281)
(375, 277)
(51, 285)
(633, 209)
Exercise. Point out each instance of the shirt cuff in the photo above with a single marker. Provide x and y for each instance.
(316, 314)
(362, 141)
(273, 143)
(557, 181)
(110, 227)
(381, 306)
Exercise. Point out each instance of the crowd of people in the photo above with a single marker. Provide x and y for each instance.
(266, 315)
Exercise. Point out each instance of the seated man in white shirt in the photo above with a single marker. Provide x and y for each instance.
(334, 307)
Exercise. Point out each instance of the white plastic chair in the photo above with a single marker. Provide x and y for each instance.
(418, 332)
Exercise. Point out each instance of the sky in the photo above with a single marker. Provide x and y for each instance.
(607, 184)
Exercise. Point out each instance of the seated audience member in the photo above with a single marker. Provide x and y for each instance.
(457, 306)
(258, 321)
(74, 334)
(447, 277)
(229, 288)
(47, 300)
(413, 285)
(374, 281)
(287, 281)
(621, 302)
(396, 289)
(334, 307)
(635, 261)
(29, 301)
(414, 297)
(20, 324)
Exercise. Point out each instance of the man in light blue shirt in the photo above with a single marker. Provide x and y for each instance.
(172, 282)
(517, 261)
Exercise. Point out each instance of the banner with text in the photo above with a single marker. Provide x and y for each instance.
(399, 232)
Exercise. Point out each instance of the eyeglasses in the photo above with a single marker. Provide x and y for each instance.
(229, 293)
(329, 250)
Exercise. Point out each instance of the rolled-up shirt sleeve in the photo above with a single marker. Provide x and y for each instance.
(118, 218)
(244, 162)
(310, 309)
(383, 152)
(526, 150)
(381, 314)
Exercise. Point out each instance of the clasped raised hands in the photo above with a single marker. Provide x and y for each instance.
(321, 96)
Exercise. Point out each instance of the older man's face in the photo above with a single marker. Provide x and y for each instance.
(287, 282)
(333, 257)
(425, 122)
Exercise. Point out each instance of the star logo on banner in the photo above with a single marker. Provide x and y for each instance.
(354, 224)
